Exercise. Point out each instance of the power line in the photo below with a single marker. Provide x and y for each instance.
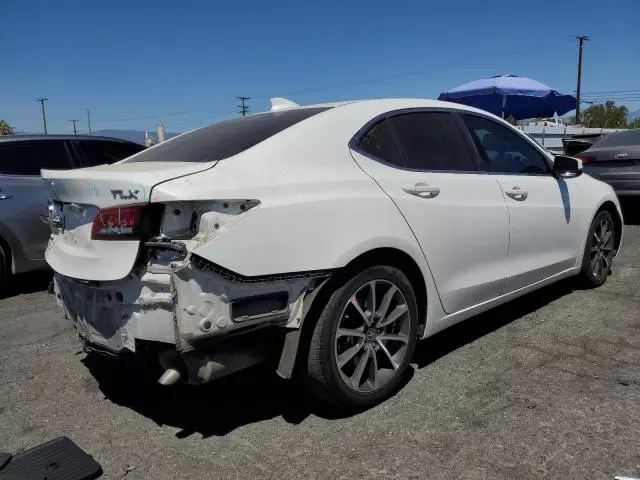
(353, 84)
(296, 93)
(153, 117)
(244, 108)
(44, 115)
(204, 120)
(615, 99)
(607, 92)
(75, 131)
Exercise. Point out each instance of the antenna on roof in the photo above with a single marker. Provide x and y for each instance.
(278, 103)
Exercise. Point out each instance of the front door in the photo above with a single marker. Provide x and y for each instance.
(543, 209)
(458, 214)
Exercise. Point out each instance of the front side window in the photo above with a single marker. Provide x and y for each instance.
(28, 158)
(504, 150)
(432, 141)
(379, 142)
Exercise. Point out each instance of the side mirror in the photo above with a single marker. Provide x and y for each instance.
(566, 167)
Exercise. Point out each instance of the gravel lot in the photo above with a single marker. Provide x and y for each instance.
(546, 386)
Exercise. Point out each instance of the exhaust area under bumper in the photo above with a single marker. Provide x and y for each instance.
(196, 317)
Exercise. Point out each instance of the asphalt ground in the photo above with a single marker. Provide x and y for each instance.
(545, 386)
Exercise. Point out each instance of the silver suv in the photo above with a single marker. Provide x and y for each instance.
(23, 194)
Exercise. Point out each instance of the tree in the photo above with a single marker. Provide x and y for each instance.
(5, 128)
(606, 115)
(635, 123)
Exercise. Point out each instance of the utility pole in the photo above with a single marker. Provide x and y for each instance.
(44, 116)
(75, 132)
(581, 40)
(89, 121)
(244, 108)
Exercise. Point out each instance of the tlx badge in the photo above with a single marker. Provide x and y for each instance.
(132, 195)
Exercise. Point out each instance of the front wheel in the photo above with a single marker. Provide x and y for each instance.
(364, 338)
(599, 250)
(5, 267)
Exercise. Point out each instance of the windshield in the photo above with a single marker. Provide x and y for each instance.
(225, 139)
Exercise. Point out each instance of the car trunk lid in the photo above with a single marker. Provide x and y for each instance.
(77, 197)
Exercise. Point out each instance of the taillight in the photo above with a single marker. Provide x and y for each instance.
(586, 158)
(118, 223)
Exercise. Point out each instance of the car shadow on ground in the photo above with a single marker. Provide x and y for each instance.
(630, 210)
(476, 327)
(213, 409)
(258, 394)
(24, 283)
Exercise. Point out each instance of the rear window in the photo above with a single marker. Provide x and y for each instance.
(99, 152)
(621, 139)
(225, 139)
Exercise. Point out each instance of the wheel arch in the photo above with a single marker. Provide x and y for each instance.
(618, 222)
(8, 251)
(296, 345)
(393, 257)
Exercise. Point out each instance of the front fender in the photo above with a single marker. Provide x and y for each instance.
(596, 195)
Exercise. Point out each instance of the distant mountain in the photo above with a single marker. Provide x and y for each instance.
(131, 135)
(633, 115)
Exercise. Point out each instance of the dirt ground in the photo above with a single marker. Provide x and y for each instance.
(546, 386)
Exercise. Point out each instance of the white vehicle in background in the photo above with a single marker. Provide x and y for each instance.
(352, 229)
(549, 122)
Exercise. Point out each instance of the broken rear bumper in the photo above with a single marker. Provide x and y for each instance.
(185, 307)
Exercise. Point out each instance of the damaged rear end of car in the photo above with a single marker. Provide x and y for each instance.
(128, 272)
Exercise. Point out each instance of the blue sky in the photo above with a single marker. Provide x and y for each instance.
(134, 63)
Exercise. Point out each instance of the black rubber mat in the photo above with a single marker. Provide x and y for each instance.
(58, 459)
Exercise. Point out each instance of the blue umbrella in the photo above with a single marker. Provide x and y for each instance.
(511, 96)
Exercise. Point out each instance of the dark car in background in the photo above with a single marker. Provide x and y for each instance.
(23, 194)
(615, 159)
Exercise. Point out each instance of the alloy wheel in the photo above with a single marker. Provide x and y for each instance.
(601, 254)
(372, 336)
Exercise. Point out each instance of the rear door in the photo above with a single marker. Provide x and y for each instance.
(103, 152)
(458, 214)
(544, 211)
(23, 196)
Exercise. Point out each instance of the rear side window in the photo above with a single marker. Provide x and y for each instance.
(225, 139)
(379, 142)
(99, 152)
(621, 139)
(432, 141)
(28, 158)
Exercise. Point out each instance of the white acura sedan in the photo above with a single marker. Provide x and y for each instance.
(351, 230)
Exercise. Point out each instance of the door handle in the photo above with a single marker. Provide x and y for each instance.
(423, 190)
(5, 196)
(517, 193)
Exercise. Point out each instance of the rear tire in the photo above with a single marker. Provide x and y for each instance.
(599, 250)
(5, 267)
(364, 339)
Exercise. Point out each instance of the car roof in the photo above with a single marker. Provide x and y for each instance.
(400, 103)
(39, 137)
